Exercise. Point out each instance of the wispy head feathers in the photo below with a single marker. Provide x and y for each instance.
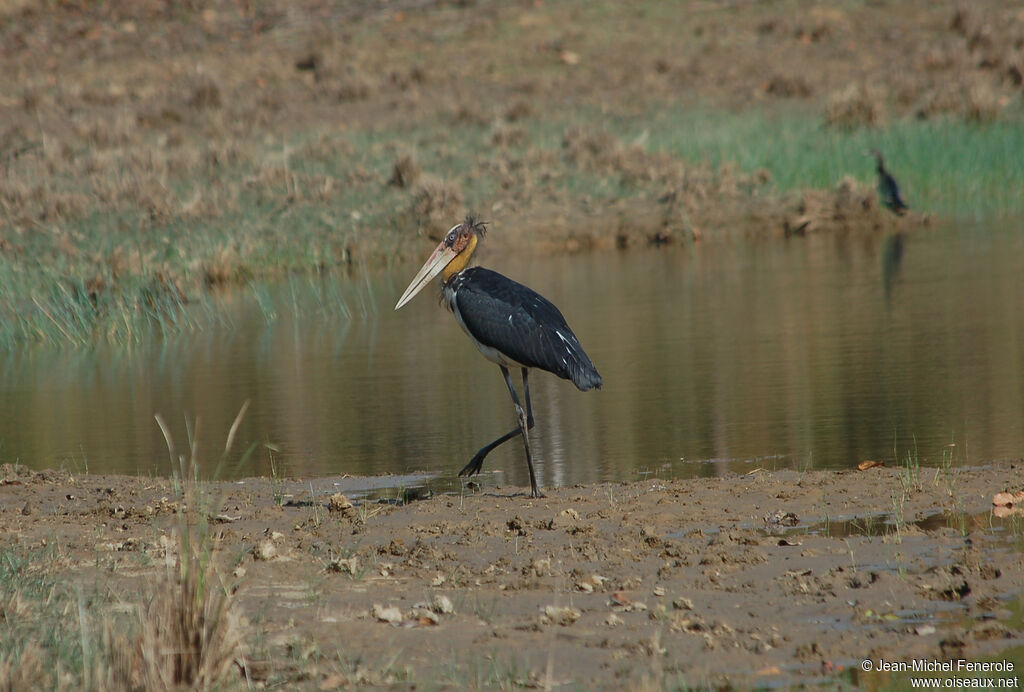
(475, 225)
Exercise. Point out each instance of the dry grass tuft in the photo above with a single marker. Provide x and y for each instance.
(841, 208)
(854, 107)
(205, 94)
(983, 104)
(28, 672)
(582, 145)
(189, 635)
(506, 135)
(518, 111)
(786, 86)
(435, 204)
(470, 113)
(405, 172)
(351, 87)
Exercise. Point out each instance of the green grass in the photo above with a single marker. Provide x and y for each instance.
(945, 166)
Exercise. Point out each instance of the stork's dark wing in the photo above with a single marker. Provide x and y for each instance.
(523, 325)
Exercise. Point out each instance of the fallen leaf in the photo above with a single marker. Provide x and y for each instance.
(1007, 499)
(424, 615)
(620, 598)
(869, 464)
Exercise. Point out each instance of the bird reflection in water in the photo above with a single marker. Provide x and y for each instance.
(892, 260)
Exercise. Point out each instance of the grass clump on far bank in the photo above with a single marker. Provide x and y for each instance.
(945, 166)
(119, 242)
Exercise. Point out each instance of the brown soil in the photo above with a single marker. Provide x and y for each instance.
(762, 578)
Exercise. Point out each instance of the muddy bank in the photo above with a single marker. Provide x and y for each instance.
(764, 578)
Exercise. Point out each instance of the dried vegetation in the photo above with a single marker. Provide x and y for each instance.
(250, 142)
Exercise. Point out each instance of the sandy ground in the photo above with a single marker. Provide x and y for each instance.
(772, 577)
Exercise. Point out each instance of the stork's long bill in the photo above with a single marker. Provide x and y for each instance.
(452, 254)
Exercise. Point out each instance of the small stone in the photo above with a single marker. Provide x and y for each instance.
(442, 604)
(389, 614)
(265, 550)
(682, 603)
(560, 615)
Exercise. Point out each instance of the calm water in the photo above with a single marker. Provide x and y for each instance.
(820, 352)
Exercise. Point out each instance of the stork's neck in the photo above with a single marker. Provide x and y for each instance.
(460, 261)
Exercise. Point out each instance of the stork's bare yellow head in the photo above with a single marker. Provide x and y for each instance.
(449, 258)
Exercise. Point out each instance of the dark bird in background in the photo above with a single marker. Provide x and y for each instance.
(888, 190)
(511, 325)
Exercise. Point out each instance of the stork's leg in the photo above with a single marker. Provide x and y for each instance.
(525, 424)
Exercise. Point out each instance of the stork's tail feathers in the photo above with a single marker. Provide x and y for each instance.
(585, 376)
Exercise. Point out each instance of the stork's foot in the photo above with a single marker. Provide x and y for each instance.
(474, 465)
(536, 493)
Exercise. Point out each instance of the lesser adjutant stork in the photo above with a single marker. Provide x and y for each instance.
(511, 325)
